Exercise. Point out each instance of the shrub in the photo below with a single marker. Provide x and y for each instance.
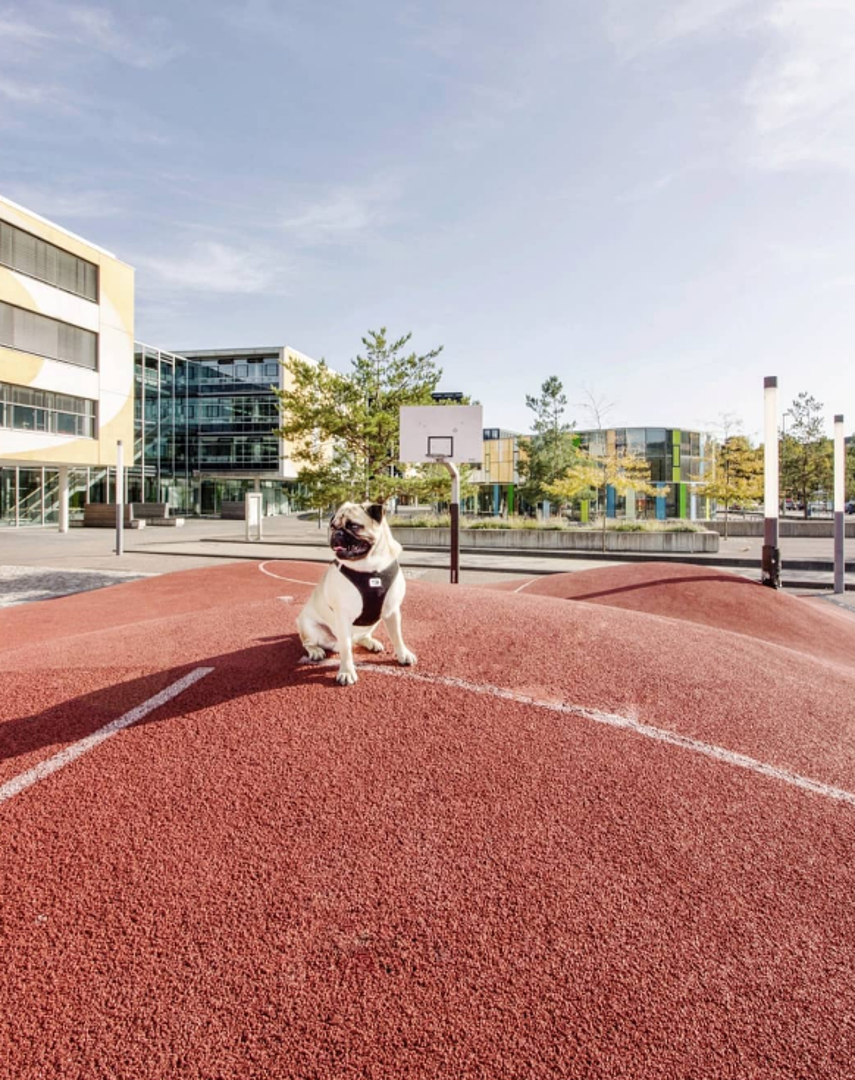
(426, 521)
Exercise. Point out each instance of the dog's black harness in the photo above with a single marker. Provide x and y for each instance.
(372, 589)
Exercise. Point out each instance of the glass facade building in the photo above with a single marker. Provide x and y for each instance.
(205, 427)
(678, 460)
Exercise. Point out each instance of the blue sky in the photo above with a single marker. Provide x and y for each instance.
(653, 200)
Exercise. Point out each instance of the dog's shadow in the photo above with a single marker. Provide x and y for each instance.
(274, 664)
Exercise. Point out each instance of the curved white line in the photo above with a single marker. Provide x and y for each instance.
(525, 584)
(279, 577)
(628, 723)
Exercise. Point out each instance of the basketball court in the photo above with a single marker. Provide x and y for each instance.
(604, 828)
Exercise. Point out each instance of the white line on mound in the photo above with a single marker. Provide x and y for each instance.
(279, 577)
(718, 753)
(71, 753)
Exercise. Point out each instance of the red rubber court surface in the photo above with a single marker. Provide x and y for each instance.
(606, 828)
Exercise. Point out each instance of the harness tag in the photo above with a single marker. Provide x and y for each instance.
(375, 582)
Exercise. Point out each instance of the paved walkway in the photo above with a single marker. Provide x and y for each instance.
(87, 553)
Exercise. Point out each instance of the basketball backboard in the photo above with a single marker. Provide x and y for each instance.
(432, 433)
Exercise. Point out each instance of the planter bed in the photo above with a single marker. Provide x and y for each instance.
(560, 540)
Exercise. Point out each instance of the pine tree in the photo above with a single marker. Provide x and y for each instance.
(344, 429)
(546, 455)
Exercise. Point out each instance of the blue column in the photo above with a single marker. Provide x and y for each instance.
(610, 501)
(660, 505)
(497, 499)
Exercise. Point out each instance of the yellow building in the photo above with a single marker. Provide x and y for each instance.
(498, 477)
(66, 367)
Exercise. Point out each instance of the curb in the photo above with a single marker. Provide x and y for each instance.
(588, 556)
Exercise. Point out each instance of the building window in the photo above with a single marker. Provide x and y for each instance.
(37, 258)
(25, 409)
(33, 333)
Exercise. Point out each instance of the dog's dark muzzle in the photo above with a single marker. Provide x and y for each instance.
(347, 545)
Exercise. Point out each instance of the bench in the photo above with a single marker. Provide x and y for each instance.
(103, 516)
(136, 516)
(234, 510)
(154, 514)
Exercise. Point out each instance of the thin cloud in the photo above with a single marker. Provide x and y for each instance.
(213, 267)
(96, 28)
(802, 96)
(62, 31)
(799, 98)
(63, 205)
(23, 93)
(635, 27)
(342, 216)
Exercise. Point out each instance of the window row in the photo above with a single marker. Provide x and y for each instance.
(225, 410)
(246, 451)
(24, 409)
(227, 372)
(33, 333)
(37, 258)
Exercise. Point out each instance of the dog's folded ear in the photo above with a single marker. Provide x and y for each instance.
(375, 511)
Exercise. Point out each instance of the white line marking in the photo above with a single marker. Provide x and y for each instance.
(718, 753)
(279, 577)
(525, 585)
(70, 753)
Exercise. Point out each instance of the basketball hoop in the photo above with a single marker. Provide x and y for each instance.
(447, 436)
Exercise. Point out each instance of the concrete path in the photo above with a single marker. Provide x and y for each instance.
(205, 542)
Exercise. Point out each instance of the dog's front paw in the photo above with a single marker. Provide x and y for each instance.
(372, 644)
(315, 652)
(345, 677)
(407, 658)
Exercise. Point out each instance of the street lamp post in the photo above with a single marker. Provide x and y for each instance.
(839, 505)
(771, 559)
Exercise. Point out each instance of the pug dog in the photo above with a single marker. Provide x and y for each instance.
(362, 586)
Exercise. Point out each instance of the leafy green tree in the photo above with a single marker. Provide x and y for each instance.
(737, 475)
(807, 454)
(619, 469)
(546, 455)
(850, 470)
(344, 428)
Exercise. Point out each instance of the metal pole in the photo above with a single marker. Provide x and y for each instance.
(455, 521)
(839, 502)
(120, 502)
(63, 498)
(771, 563)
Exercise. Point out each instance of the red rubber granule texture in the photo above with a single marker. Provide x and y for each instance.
(275, 877)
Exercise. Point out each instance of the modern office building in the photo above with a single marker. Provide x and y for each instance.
(497, 478)
(678, 460)
(205, 424)
(66, 367)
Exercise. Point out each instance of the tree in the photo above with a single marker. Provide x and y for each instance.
(737, 474)
(619, 469)
(344, 428)
(551, 449)
(807, 455)
(597, 407)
